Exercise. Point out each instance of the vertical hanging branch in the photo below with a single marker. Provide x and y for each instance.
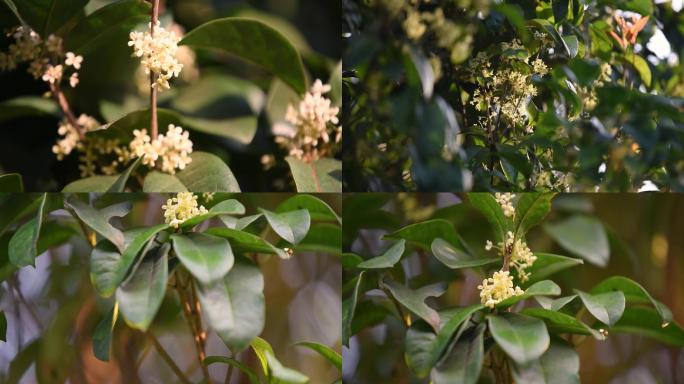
(154, 127)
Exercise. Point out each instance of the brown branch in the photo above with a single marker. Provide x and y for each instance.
(154, 124)
(66, 109)
(167, 358)
(191, 311)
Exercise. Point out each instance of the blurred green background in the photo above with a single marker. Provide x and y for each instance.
(644, 233)
(302, 304)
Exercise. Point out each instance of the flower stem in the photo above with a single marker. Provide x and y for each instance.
(66, 109)
(154, 125)
(167, 358)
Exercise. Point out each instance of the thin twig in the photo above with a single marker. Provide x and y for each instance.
(154, 125)
(66, 109)
(167, 358)
(195, 328)
(13, 284)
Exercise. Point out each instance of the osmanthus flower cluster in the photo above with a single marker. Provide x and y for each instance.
(157, 51)
(520, 328)
(312, 131)
(170, 151)
(181, 208)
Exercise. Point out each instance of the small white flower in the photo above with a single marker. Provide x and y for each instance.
(73, 60)
(498, 288)
(181, 208)
(157, 54)
(73, 80)
(53, 74)
(173, 149)
(489, 245)
(505, 200)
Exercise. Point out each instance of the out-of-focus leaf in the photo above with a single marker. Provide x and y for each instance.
(424, 233)
(323, 237)
(558, 365)
(251, 375)
(120, 183)
(102, 335)
(348, 309)
(23, 245)
(11, 182)
(91, 184)
(46, 16)
(547, 264)
(523, 338)
(647, 322)
(279, 374)
(27, 106)
(640, 65)
(330, 354)
(322, 175)
(3, 326)
(464, 360)
(634, 293)
(387, 260)
(583, 236)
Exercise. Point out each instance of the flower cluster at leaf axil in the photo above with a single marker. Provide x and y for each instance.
(181, 208)
(172, 150)
(312, 129)
(157, 50)
(498, 288)
(47, 59)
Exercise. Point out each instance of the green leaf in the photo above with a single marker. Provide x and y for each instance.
(424, 233)
(647, 322)
(318, 209)
(560, 10)
(464, 361)
(251, 375)
(255, 42)
(571, 44)
(208, 173)
(560, 364)
(234, 306)
(15, 206)
(330, 354)
(141, 295)
(523, 338)
(547, 264)
(28, 106)
(322, 175)
(91, 184)
(291, 226)
(323, 237)
(640, 65)
(111, 20)
(261, 347)
(245, 242)
(634, 293)
(3, 326)
(487, 205)
(606, 307)
(46, 16)
(559, 322)
(335, 82)
(102, 335)
(348, 309)
(11, 182)
(554, 304)
(120, 183)
(541, 288)
(160, 182)
(23, 245)
(530, 210)
(582, 236)
(226, 207)
(13, 8)
(424, 348)
(109, 267)
(387, 259)
(279, 374)
(207, 257)
(414, 300)
(455, 258)
(96, 221)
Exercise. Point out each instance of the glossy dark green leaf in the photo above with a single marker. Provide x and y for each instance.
(560, 10)
(208, 173)
(554, 304)
(606, 307)
(414, 300)
(292, 226)
(254, 41)
(547, 264)
(530, 210)
(46, 16)
(348, 309)
(560, 364)
(120, 183)
(541, 288)
(322, 237)
(96, 221)
(318, 209)
(454, 258)
(424, 233)
(141, 295)
(387, 260)
(102, 335)
(487, 205)
(91, 184)
(207, 257)
(28, 106)
(322, 175)
(245, 242)
(110, 20)
(634, 293)
(159, 182)
(559, 322)
(330, 354)
(463, 362)
(571, 44)
(13, 8)
(11, 182)
(523, 338)
(251, 375)
(23, 246)
(109, 267)
(582, 236)
(647, 322)
(16, 206)
(234, 306)
(225, 207)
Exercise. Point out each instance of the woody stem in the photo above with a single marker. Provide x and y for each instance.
(154, 125)
(66, 109)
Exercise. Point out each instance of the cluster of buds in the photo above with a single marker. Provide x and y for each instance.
(505, 200)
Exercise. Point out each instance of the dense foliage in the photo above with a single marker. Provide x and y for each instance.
(439, 308)
(559, 95)
(241, 101)
(203, 265)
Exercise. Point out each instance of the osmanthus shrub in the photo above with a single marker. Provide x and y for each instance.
(483, 95)
(202, 263)
(523, 328)
(141, 134)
